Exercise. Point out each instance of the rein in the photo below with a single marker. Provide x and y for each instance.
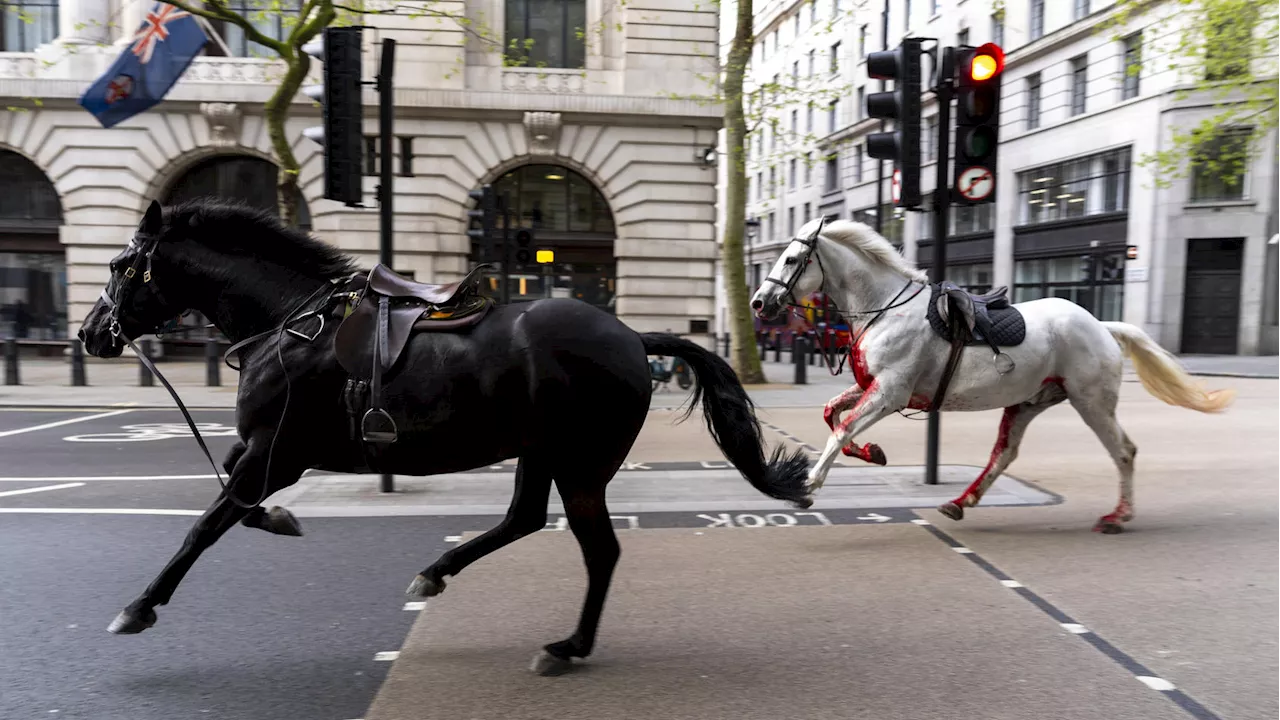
(144, 253)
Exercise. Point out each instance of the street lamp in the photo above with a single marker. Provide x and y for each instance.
(753, 229)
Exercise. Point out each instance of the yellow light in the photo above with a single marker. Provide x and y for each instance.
(524, 287)
(546, 256)
(983, 67)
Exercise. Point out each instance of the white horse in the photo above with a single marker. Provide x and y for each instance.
(898, 360)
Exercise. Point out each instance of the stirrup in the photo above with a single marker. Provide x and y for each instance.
(1004, 364)
(382, 430)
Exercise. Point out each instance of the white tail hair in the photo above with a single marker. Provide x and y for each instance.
(1162, 375)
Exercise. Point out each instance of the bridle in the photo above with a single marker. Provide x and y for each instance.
(805, 258)
(144, 247)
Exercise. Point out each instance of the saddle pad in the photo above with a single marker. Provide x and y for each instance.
(1008, 328)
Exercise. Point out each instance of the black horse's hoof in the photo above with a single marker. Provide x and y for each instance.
(548, 665)
(952, 510)
(131, 622)
(280, 521)
(425, 587)
(1108, 527)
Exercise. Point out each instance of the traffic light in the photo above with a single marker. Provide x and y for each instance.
(486, 213)
(524, 245)
(902, 105)
(977, 139)
(342, 134)
(1086, 268)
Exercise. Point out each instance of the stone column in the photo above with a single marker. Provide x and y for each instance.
(84, 22)
(127, 18)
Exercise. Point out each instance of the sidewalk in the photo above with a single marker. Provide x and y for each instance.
(47, 382)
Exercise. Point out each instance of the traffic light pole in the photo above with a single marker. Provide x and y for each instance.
(884, 45)
(941, 205)
(504, 293)
(386, 182)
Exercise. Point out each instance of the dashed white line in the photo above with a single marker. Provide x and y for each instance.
(99, 511)
(387, 656)
(59, 423)
(415, 605)
(962, 550)
(921, 521)
(1011, 583)
(27, 491)
(1156, 683)
(1074, 628)
(453, 538)
(107, 478)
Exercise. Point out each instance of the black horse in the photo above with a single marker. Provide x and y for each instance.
(559, 384)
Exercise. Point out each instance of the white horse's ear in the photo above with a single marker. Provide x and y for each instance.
(821, 222)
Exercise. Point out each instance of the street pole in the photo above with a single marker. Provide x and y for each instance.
(386, 183)
(504, 293)
(941, 204)
(884, 45)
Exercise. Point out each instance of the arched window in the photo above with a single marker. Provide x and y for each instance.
(234, 177)
(33, 268)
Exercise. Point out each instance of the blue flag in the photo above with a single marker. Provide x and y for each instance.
(161, 50)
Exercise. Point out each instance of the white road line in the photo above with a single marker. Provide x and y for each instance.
(962, 550)
(1074, 628)
(108, 478)
(453, 538)
(920, 521)
(1156, 683)
(25, 491)
(387, 656)
(1011, 583)
(69, 421)
(415, 606)
(98, 511)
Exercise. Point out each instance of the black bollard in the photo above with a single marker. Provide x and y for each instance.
(145, 378)
(213, 377)
(11, 376)
(728, 344)
(77, 363)
(798, 347)
(813, 343)
(777, 347)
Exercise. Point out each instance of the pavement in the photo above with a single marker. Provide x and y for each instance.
(868, 604)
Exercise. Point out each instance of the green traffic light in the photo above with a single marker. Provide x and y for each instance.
(980, 142)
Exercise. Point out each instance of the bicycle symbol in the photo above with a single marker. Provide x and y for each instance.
(155, 431)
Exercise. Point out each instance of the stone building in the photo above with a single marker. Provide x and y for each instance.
(599, 140)
(1194, 263)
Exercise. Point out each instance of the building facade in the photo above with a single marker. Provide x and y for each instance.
(595, 135)
(1077, 215)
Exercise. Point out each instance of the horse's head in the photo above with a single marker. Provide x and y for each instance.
(131, 304)
(793, 276)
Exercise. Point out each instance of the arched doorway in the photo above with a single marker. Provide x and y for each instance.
(570, 218)
(245, 178)
(33, 266)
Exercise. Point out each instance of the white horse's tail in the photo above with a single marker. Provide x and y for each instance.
(1162, 375)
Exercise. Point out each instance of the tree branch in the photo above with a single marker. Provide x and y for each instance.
(221, 12)
(295, 35)
(461, 20)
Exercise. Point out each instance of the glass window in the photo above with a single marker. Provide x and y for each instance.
(894, 219)
(26, 194)
(1033, 101)
(547, 33)
(862, 41)
(27, 24)
(832, 179)
(1094, 281)
(554, 198)
(835, 58)
(1218, 170)
(1075, 188)
(272, 18)
(1079, 83)
(1082, 9)
(1132, 66)
(997, 29)
(33, 295)
(1037, 19)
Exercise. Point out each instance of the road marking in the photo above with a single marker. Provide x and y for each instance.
(415, 606)
(453, 538)
(1011, 583)
(387, 656)
(1156, 683)
(60, 423)
(962, 550)
(1074, 628)
(99, 511)
(921, 521)
(25, 491)
(107, 478)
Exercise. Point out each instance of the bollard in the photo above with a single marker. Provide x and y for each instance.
(145, 378)
(728, 345)
(777, 347)
(813, 343)
(77, 363)
(797, 356)
(11, 362)
(212, 376)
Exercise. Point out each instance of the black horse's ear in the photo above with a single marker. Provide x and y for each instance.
(153, 220)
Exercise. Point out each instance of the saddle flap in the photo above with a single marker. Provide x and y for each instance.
(353, 343)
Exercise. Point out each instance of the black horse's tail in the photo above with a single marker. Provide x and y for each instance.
(731, 419)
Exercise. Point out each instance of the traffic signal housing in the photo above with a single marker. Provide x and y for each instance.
(486, 213)
(979, 72)
(902, 105)
(524, 246)
(342, 134)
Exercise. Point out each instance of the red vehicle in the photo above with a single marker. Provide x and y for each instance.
(814, 316)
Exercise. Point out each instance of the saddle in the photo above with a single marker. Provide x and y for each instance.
(384, 314)
(963, 318)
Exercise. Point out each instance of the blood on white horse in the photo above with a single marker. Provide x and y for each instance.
(897, 359)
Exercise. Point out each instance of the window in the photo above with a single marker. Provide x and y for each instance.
(1231, 27)
(933, 7)
(1091, 185)
(1033, 101)
(371, 147)
(270, 21)
(773, 135)
(906, 15)
(1082, 9)
(929, 138)
(809, 118)
(1132, 66)
(835, 58)
(406, 156)
(974, 277)
(808, 169)
(1079, 83)
(773, 179)
(772, 234)
(891, 228)
(812, 61)
(1037, 19)
(831, 116)
(1218, 167)
(832, 179)
(857, 163)
(861, 107)
(795, 74)
(997, 29)
(777, 86)
(808, 212)
(792, 180)
(962, 37)
(759, 186)
(813, 12)
(969, 219)
(862, 42)
(795, 122)
(27, 24)
(796, 26)
(835, 8)
(1094, 281)
(791, 222)
(547, 33)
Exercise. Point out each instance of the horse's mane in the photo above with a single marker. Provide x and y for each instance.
(236, 228)
(861, 238)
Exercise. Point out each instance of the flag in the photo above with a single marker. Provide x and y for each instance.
(165, 44)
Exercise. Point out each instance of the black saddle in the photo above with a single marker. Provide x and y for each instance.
(989, 319)
(389, 310)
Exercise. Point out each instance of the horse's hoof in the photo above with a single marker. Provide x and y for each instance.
(875, 455)
(280, 521)
(131, 622)
(803, 503)
(548, 665)
(1107, 526)
(424, 587)
(952, 510)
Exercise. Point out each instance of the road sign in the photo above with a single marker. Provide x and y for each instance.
(975, 183)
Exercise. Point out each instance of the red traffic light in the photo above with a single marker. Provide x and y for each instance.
(987, 62)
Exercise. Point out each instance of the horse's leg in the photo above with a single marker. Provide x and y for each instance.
(246, 482)
(526, 515)
(831, 414)
(1098, 410)
(874, 404)
(1013, 426)
(589, 520)
(277, 520)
